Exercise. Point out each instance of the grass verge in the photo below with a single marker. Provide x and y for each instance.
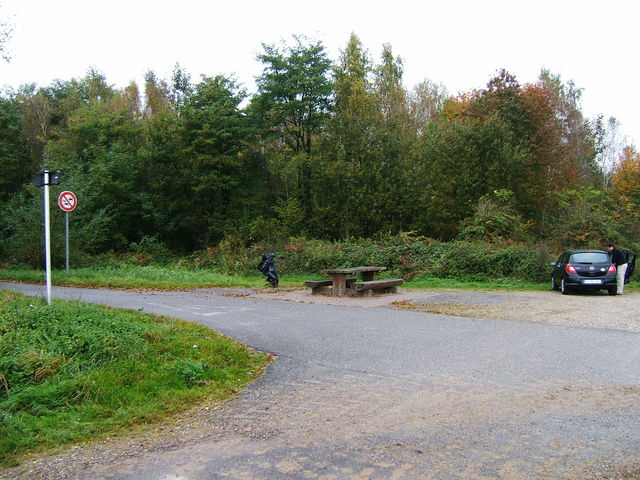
(497, 284)
(155, 277)
(74, 371)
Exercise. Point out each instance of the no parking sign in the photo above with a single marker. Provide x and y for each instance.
(67, 201)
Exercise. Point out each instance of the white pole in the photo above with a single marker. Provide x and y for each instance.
(47, 235)
(66, 242)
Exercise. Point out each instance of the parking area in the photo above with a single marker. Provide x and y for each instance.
(583, 309)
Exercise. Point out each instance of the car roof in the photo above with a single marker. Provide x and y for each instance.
(585, 251)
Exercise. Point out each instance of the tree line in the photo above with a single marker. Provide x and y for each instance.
(323, 149)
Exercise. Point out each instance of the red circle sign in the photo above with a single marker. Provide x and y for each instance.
(67, 201)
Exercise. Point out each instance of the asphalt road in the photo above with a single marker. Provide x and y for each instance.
(384, 393)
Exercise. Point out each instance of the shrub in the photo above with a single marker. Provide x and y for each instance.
(405, 255)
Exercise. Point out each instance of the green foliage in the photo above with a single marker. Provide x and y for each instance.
(290, 215)
(22, 233)
(412, 256)
(150, 250)
(213, 131)
(14, 154)
(494, 219)
(192, 372)
(586, 221)
(73, 371)
(294, 93)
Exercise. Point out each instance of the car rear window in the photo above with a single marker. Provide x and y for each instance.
(589, 257)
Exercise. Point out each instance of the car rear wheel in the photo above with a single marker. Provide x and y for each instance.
(564, 288)
(612, 291)
(554, 285)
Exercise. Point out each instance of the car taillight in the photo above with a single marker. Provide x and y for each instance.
(569, 268)
(612, 269)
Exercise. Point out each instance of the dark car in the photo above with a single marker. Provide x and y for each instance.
(584, 270)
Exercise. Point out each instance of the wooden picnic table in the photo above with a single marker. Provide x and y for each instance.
(339, 276)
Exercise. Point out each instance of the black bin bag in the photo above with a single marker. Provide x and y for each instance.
(268, 267)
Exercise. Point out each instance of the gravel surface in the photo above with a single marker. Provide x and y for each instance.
(442, 385)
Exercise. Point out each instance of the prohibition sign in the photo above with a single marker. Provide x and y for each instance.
(67, 201)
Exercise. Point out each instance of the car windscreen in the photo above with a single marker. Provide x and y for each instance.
(590, 257)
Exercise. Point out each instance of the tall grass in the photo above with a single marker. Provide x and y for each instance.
(73, 371)
(131, 276)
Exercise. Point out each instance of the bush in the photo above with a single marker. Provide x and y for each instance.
(405, 255)
(149, 250)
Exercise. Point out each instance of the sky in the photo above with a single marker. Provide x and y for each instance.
(459, 43)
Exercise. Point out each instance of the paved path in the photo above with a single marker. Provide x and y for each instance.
(381, 393)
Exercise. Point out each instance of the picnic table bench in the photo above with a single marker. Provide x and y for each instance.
(389, 285)
(344, 282)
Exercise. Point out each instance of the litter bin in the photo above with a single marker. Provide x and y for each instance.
(268, 267)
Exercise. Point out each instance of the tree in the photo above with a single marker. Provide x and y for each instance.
(348, 150)
(461, 159)
(425, 102)
(97, 148)
(529, 139)
(396, 136)
(294, 92)
(626, 175)
(577, 135)
(289, 112)
(180, 85)
(388, 82)
(625, 193)
(157, 95)
(14, 153)
(213, 131)
(611, 147)
(35, 110)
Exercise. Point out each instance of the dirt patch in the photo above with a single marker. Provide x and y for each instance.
(593, 310)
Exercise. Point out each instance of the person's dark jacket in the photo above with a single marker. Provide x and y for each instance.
(618, 257)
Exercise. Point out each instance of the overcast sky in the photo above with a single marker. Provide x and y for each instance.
(460, 43)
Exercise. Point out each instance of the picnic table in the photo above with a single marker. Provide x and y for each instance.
(344, 281)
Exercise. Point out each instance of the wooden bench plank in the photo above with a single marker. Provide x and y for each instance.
(388, 285)
(378, 284)
(317, 283)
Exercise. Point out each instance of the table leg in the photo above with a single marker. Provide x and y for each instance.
(367, 276)
(339, 284)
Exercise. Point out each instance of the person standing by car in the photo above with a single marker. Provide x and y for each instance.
(619, 259)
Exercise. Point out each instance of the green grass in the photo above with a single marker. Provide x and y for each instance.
(72, 371)
(498, 284)
(155, 277)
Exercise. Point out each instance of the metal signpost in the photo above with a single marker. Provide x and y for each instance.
(67, 201)
(45, 179)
